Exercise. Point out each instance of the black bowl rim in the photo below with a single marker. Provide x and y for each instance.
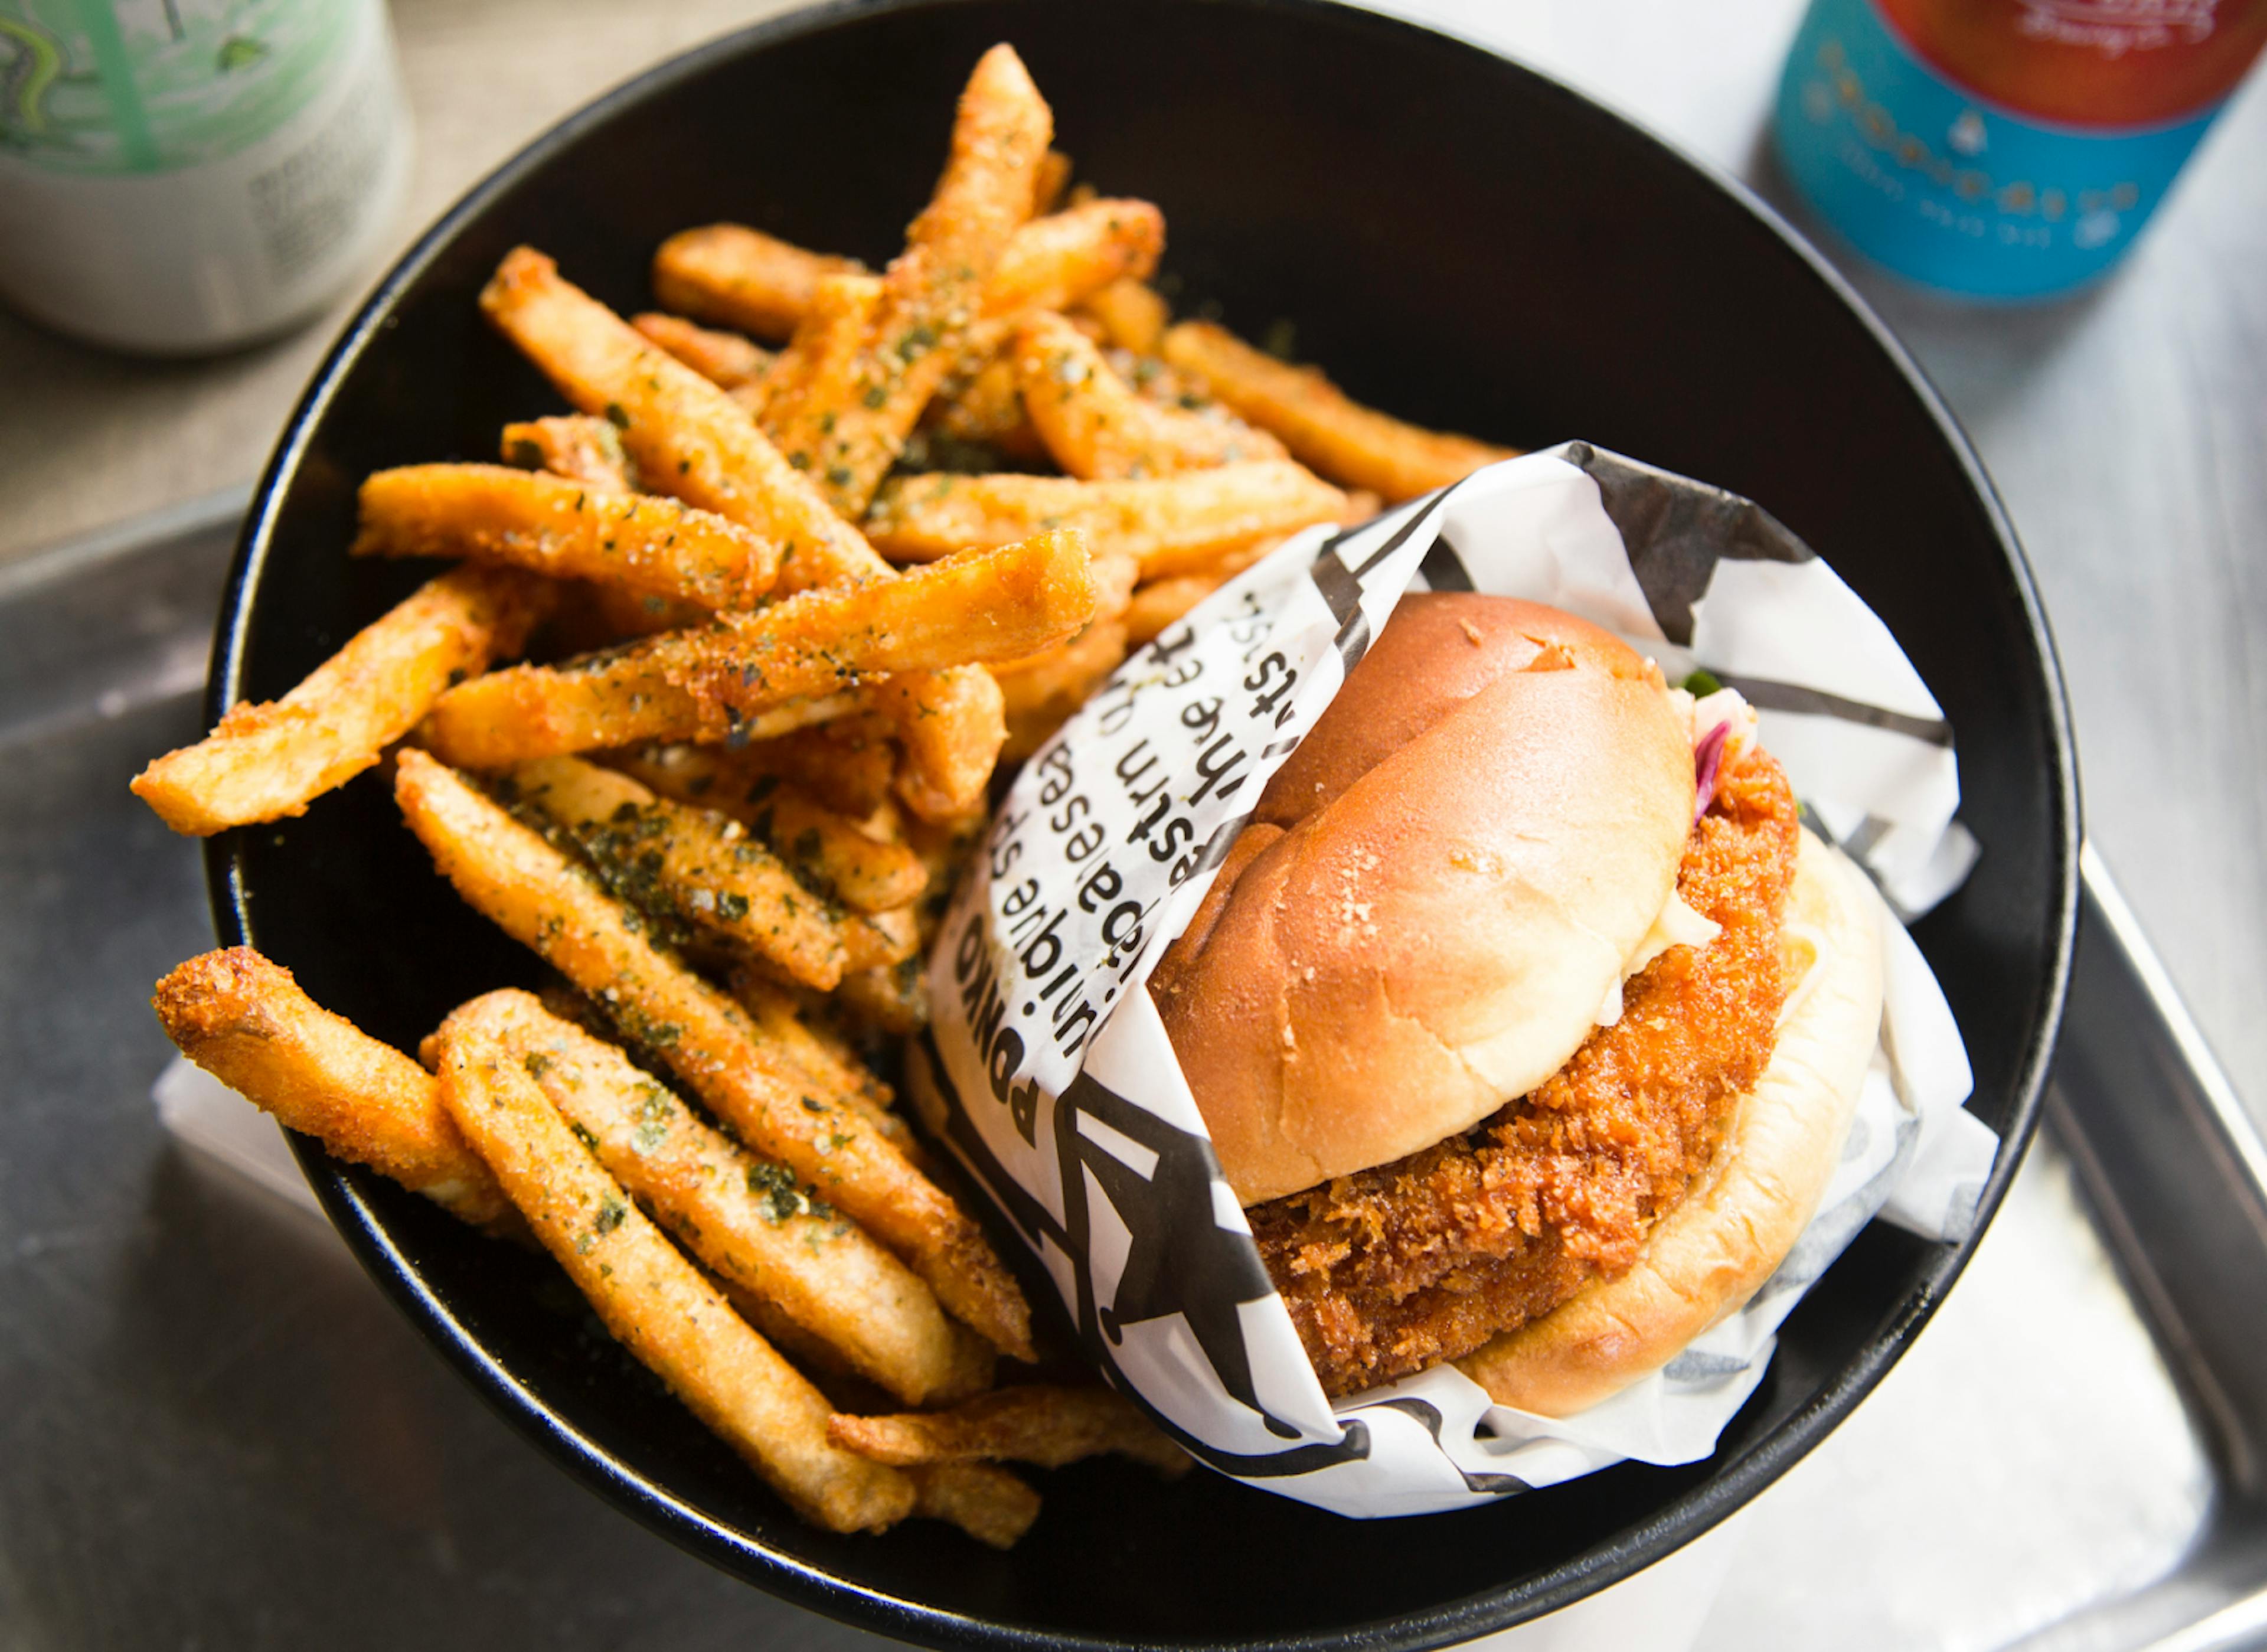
(1677, 1523)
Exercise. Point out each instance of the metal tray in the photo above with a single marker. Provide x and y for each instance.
(213, 1429)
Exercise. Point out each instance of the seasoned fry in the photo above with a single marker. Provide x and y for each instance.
(986, 1502)
(923, 1093)
(741, 278)
(611, 613)
(761, 285)
(1116, 573)
(1097, 428)
(655, 1301)
(726, 360)
(1133, 313)
(1158, 605)
(1171, 523)
(574, 445)
(749, 1221)
(1350, 443)
(846, 762)
(951, 729)
(829, 1066)
(853, 407)
(1046, 688)
(1053, 262)
(1050, 180)
(1039, 1424)
(1066, 671)
(832, 331)
(984, 407)
(893, 1000)
(1154, 381)
(536, 895)
(566, 530)
(704, 868)
(688, 437)
(245, 1021)
(866, 873)
(267, 761)
(705, 685)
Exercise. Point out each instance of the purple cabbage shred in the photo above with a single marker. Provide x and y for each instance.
(1707, 757)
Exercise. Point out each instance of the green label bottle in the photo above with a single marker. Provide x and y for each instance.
(179, 176)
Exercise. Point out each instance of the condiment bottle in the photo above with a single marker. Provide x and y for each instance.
(2003, 149)
(179, 176)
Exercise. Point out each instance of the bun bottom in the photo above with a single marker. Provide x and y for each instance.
(1735, 1224)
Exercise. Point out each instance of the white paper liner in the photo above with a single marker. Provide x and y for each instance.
(1063, 1094)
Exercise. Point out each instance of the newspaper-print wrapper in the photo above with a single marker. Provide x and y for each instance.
(1061, 1091)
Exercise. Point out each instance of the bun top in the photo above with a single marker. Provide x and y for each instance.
(1436, 894)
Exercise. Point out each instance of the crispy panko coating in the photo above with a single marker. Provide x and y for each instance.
(1423, 1260)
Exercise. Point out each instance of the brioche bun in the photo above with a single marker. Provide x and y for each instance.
(1437, 894)
(1735, 1224)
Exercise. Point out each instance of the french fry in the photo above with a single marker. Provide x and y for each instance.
(246, 1022)
(1133, 313)
(681, 429)
(1048, 182)
(748, 1220)
(611, 613)
(1097, 428)
(924, 1094)
(893, 1000)
(833, 330)
(1116, 574)
(1043, 690)
(1159, 604)
(865, 872)
(656, 1304)
(530, 890)
(267, 761)
(589, 451)
(574, 445)
(742, 278)
(985, 1500)
(1171, 523)
(846, 762)
(949, 728)
(985, 408)
(829, 1067)
(687, 437)
(1040, 1424)
(705, 685)
(853, 407)
(1155, 380)
(1049, 263)
(565, 529)
(726, 360)
(704, 868)
(1322, 427)
(1053, 262)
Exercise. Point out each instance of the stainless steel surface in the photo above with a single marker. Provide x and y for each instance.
(2177, 1175)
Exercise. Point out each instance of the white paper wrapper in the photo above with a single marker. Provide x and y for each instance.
(1064, 1097)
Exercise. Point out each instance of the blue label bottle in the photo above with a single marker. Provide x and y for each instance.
(2003, 149)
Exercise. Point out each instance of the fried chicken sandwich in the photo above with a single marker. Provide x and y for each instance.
(1526, 1018)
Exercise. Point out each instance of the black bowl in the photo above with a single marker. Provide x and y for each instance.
(1460, 240)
